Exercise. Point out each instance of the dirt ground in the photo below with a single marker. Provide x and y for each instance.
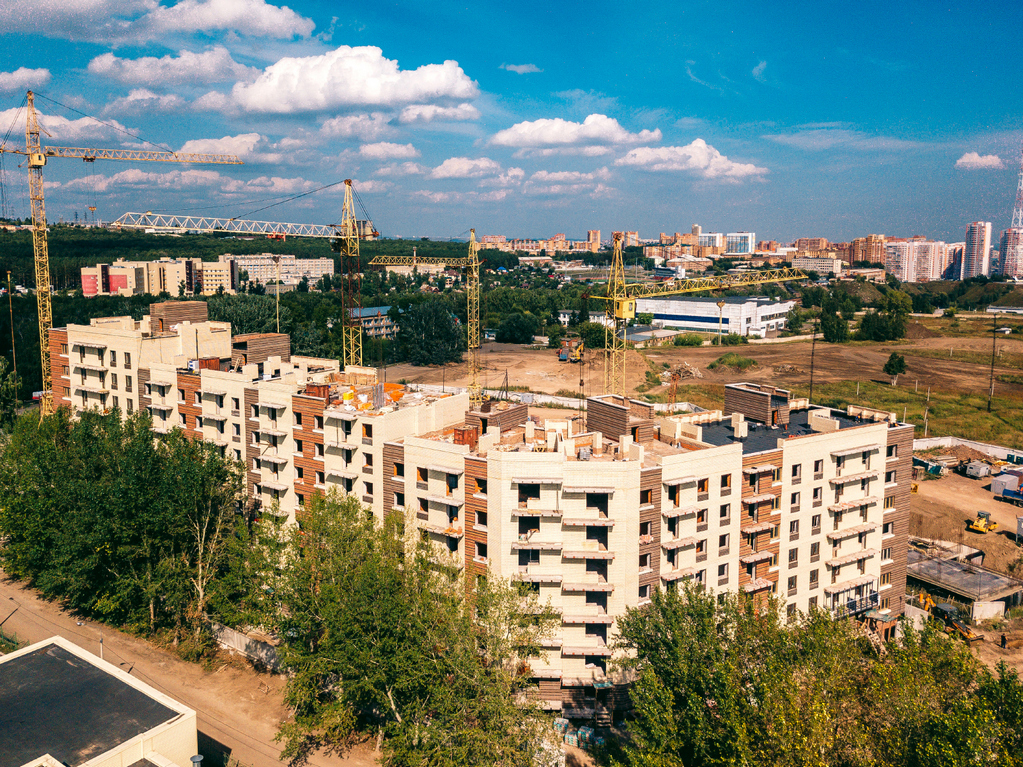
(784, 364)
(941, 509)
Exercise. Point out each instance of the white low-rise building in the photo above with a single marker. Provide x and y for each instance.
(751, 316)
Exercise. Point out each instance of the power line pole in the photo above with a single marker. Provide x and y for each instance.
(813, 350)
(994, 340)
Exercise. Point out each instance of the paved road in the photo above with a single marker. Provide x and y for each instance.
(237, 708)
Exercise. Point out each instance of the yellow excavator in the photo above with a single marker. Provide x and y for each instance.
(983, 523)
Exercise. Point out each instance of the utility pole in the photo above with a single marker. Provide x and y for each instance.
(10, 308)
(994, 341)
(721, 311)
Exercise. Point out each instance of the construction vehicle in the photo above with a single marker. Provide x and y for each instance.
(949, 615)
(1012, 496)
(983, 523)
(621, 300)
(36, 158)
(576, 355)
(344, 239)
(926, 601)
(571, 350)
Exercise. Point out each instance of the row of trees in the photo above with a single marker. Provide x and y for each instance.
(720, 681)
(379, 638)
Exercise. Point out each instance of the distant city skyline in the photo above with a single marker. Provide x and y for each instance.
(737, 116)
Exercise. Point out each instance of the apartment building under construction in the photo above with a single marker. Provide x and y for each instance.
(769, 496)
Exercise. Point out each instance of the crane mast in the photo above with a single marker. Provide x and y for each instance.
(471, 264)
(36, 156)
(346, 243)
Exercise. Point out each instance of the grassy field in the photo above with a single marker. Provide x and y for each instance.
(948, 413)
(967, 327)
(1005, 359)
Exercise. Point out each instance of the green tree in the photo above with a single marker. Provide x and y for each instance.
(8, 395)
(834, 327)
(592, 333)
(428, 335)
(555, 333)
(895, 366)
(380, 640)
(518, 329)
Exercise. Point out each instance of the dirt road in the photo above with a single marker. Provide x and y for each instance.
(238, 709)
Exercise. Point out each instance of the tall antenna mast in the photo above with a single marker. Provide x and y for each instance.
(1017, 211)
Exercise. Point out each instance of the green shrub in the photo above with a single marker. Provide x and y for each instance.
(688, 339)
(734, 361)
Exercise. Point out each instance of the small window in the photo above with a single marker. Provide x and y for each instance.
(818, 494)
(399, 499)
(644, 529)
(367, 431)
(481, 486)
(886, 554)
(298, 446)
(127, 383)
(889, 477)
(181, 396)
(886, 579)
(815, 522)
(113, 380)
(645, 497)
(723, 541)
(793, 556)
(701, 517)
(644, 592)
(815, 551)
(399, 470)
(794, 501)
(797, 470)
(792, 583)
(481, 519)
(481, 551)
(422, 474)
(818, 466)
(319, 450)
(198, 422)
(181, 419)
(726, 511)
(367, 459)
(300, 498)
(703, 486)
(794, 527)
(298, 419)
(127, 361)
(644, 562)
(236, 429)
(723, 570)
(198, 398)
(424, 506)
(889, 502)
(235, 404)
(814, 578)
(892, 452)
(888, 528)
(319, 478)
(726, 481)
(318, 422)
(299, 472)
(255, 411)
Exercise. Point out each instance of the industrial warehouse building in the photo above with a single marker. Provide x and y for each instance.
(770, 496)
(752, 316)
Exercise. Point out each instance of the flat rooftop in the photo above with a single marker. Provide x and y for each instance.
(760, 437)
(52, 701)
(962, 579)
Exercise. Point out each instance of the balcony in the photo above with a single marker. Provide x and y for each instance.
(677, 543)
(851, 532)
(577, 587)
(855, 606)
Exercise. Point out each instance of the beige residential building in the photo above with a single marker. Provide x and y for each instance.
(769, 496)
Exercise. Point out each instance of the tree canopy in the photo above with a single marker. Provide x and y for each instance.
(429, 335)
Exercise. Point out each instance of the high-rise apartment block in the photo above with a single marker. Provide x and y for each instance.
(870, 248)
(811, 243)
(976, 251)
(915, 259)
(769, 496)
(1011, 250)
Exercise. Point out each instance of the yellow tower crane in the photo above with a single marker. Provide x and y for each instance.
(37, 156)
(621, 305)
(344, 240)
(471, 264)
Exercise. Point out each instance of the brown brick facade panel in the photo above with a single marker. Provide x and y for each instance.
(188, 385)
(166, 314)
(60, 368)
(252, 451)
(308, 410)
(901, 438)
(514, 415)
(475, 480)
(608, 418)
(769, 541)
(650, 515)
(394, 456)
(254, 348)
(142, 380)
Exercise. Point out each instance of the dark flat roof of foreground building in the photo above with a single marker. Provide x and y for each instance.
(54, 701)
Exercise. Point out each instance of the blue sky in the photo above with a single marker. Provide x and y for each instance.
(787, 118)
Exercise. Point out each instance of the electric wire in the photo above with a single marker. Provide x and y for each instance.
(113, 126)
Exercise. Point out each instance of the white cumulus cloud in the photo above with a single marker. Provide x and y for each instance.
(385, 150)
(255, 18)
(349, 76)
(597, 129)
(521, 69)
(698, 157)
(402, 169)
(566, 182)
(511, 177)
(465, 167)
(138, 21)
(975, 161)
(214, 65)
(425, 113)
(366, 127)
(825, 136)
(143, 100)
(249, 147)
(65, 131)
(22, 79)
